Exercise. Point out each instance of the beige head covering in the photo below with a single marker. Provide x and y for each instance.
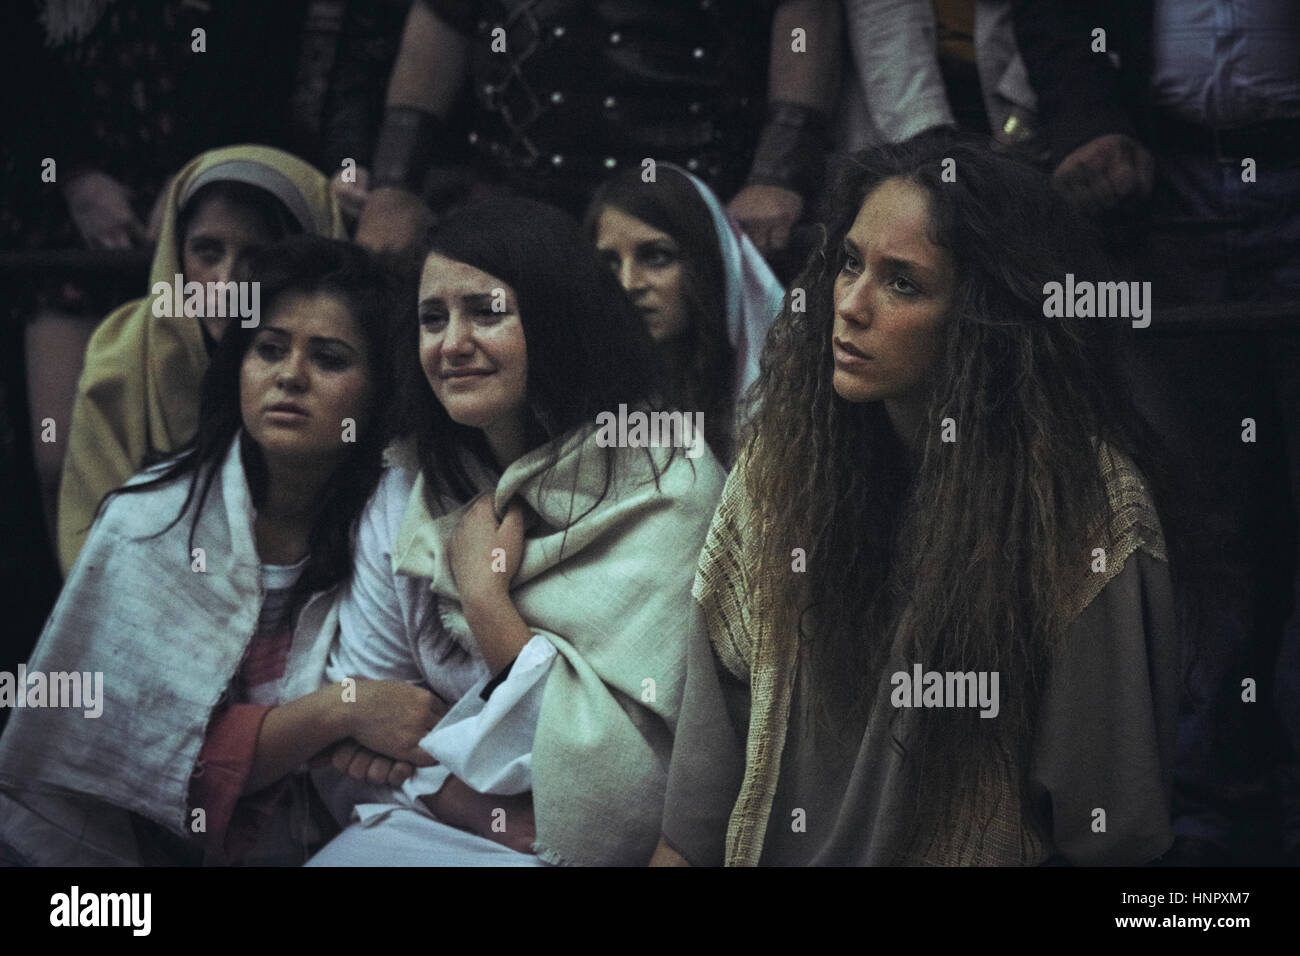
(140, 387)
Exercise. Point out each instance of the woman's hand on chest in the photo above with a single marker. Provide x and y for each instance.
(485, 553)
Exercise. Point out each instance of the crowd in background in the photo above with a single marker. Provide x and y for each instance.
(1173, 127)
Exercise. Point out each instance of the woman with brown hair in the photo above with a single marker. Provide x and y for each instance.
(937, 565)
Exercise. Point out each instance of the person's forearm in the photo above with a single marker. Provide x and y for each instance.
(499, 630)
(295, 732)
(430, 64)
(810, 78)
(897, 65)
(803, 79)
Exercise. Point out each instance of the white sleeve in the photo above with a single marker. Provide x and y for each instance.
(893, 43)
(373, 641)
(489, 743)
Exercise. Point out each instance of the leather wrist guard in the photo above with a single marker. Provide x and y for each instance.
(405, 149)
(791, 149)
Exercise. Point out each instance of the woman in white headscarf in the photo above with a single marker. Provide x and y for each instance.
(702, 288)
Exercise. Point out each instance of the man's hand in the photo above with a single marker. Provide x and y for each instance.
(101, 209)
(1106, 173)
(392, 220)
(351, 196)
(767, 214)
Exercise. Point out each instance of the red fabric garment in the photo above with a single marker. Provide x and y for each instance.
(226, 758)
(225, 762)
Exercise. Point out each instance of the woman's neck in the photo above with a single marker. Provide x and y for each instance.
(675, 357)
(507, 439)
(284, 521)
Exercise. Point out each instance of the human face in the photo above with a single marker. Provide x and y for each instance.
(648, 265)
(306, 370)
(220, 234)
(472, 346)
(890, 299)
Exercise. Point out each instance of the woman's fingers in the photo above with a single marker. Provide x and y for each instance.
(440, 708)
(513, 522)
(416, 757)
(343, 755)
(360, 764)
(379, 769)
(400, 773)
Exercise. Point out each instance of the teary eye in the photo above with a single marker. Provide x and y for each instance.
(332, 361)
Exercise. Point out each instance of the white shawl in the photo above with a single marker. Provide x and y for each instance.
(168, 639)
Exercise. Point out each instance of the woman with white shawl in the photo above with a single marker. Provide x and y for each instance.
(199, 613)
(137, 400)
(703, 290)
(537, 572)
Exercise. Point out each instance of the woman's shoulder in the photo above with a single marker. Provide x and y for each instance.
(111, 345)
(395, 481)
(1132, 508)
(383, 513)
(1129, 525)
(134, 504)
(684, 475)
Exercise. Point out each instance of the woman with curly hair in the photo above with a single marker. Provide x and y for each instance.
(937, 566)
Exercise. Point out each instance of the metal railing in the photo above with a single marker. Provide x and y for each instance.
(17, 268)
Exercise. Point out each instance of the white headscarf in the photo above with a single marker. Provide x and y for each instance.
(753, 293)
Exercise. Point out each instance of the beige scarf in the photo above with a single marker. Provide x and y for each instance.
(611, 591)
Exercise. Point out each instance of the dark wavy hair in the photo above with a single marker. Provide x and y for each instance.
(588, 351)
(700, 365)
(300, 265)
(966, 556)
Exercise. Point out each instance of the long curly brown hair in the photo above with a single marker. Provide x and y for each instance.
(962, 557)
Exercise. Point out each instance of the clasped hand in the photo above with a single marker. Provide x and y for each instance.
(485, 553)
